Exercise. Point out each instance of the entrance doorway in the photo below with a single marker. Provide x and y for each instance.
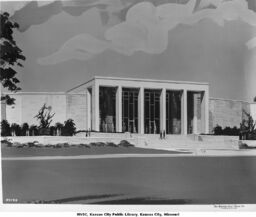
(173, 111)
(152, 111)
(194, 112)
(130, 110)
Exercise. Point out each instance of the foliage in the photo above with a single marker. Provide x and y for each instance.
(125, 143)
(5, 128)
(59, 126)
(227, 131)
(254, 99)
(44, 116)
(24, 129)
(33, 130)
(6, 142)
(10, 56)
(52, 130)
(16, 129)
(69, 128)
(248, 127)
(217, 130)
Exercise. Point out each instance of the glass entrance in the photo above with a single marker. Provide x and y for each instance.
(152, 111)
(107, 109)
(194, 112)
(130, 110)
(173, 112)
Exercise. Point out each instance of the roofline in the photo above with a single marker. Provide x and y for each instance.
(233, 100)
(39, 93)
(137, 79)
(150, 80)
(80, 85)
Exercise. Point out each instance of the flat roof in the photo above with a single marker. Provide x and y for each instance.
(138, 80)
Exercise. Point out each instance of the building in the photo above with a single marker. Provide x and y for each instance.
(145, 106)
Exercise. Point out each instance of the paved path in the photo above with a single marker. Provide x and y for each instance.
(199, 153)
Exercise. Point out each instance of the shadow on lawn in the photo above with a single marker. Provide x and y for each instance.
(74, 199)
(145, 201)
(109, 199)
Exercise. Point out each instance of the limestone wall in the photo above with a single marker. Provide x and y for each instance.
(226, 113)
(76, 110)
(64, 106)
(253, 110)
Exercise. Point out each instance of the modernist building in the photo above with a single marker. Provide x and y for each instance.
(145, 106)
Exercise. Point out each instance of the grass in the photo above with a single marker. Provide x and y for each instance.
(182, 180)
(78, 150)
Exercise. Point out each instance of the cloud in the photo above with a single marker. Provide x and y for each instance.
(251, 43)
(226, 11)
(146, 29)
(82, 47)
(29, 13)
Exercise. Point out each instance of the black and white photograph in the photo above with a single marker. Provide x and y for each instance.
(128, 103)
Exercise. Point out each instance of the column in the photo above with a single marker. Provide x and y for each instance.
(163, 110)
(206, 111)
(184, 114)
(195, 108)
(89, 110)
(95, 107)
(141, 110)
(119, 109)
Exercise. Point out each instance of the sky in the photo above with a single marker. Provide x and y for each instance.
(66, 43)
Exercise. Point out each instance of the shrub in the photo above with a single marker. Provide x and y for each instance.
(6, 142)
(33, 130)
(66, 145)
(5, 128)
(59, 127)
(69, 128)
(111, 144)
(227, 131)
(84, 145)
(16, 129)
(97, 144)
(59, 145)
(31, 144)
(125, 143)
(53, 131)
(24, 129)
(217, 130)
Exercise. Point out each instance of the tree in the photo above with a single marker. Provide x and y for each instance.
(5, 128)
(69, 128)
(44, 116)
(24, 129)
(254, 99)
(10, 56)
(248, 126)
(59, 127)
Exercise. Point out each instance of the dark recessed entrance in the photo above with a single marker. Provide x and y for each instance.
(130, 110)
(152, 111)
(107, 109)
(173, 111)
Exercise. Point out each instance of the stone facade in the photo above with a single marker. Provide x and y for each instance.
(64, 106)
(226, 113)
(82, 105)
(77, 110)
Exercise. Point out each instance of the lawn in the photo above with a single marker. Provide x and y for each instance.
(173, 180)
(77, 150)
